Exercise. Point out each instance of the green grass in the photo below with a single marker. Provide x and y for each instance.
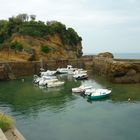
(6, 122)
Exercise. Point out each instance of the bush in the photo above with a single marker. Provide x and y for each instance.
(33, 28)
(45, 49)
(16, 46)
(6, 122)
(1, 39)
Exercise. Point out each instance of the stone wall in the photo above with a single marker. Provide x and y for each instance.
(18, 69)
(13, 70)
(118, 70)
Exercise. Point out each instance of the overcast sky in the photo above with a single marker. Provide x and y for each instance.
(104, 25)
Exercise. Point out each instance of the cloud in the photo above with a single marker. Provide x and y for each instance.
(134, 29)
(77, 12)
(98, 18)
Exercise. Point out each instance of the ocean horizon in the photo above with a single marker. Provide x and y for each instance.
(122, 55)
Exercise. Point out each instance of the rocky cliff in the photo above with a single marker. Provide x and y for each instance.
(32, 49)
(30, 40)
(117, 70)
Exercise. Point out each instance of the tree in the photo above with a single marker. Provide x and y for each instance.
(74, 39)
(3, 30)
(23, 17)
(33, 17)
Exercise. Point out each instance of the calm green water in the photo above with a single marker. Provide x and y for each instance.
(57, 114)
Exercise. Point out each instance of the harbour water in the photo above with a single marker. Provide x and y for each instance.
(58, 114)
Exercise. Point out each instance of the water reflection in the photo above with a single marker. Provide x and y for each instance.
(28, 99)
(52, 110)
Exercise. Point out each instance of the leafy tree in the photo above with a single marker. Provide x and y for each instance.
(33, 28)
(22, 17)
(3, 30)
(56, 27)
(73, 37)
(33, 17)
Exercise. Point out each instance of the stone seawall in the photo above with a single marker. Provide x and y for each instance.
(13, 70)
(118, 70)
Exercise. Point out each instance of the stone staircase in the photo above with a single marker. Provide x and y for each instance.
(11, 134)
(2, 136)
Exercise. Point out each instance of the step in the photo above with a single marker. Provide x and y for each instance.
(14, 134)
(2, 136)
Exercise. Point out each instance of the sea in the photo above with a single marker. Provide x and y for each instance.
(127, 55)
(123, 55)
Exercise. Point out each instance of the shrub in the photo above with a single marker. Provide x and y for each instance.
(6, 122)
(16, 46)
(45, 49)
(1, 39)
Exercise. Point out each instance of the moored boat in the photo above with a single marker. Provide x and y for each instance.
(81, 89)
(45, 79)
(82, 77)
(48, 73)
(55, 84)
(96, 94)
(68, 70)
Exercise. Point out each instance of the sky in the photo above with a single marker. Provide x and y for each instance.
(104, 25)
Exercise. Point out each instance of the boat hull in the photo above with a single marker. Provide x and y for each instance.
(99, 97)
(82, 78)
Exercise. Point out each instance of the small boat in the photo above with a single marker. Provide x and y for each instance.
(81, 77)
(36, 79)
(45, 79)
(55, 84)
(79, 71)
(48, 73)
(81, 89)
(68, 70)
(89, 91)
(96, 94)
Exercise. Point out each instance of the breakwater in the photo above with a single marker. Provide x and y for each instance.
(117, 70)
(13, 70)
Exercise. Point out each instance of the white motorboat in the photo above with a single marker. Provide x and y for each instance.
(48, 73)
(81, 89)
(83, 76)
(55, 84)
(80, 74)
(89, 91)
(95, 94)
(45, 79)
(79, 71)
(36, 79)
(68, 70)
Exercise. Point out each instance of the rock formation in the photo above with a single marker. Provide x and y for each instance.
(118, 71)
(106, 54)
